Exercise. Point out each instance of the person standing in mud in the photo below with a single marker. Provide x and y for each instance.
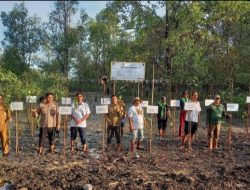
(5, 117)
(78, 124)
(182, 112)
(49, 122)
(162, 116)
(192, 119)
(136, 123)
(122, 104)
(215, 114)
(114, 116)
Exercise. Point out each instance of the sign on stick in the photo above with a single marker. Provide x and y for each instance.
(66, 101)
(105, 101)
(130, 71)
(152, 109)
(31, 99)
(65, 110)
(208, 102)
(232, 107)
(144, 104)
(16, 106)
(175, 103)
(102, 109)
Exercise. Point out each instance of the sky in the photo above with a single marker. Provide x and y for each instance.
(42, 9)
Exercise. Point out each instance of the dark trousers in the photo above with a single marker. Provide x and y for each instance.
(44, 132)
(82, 134)
(114, 130)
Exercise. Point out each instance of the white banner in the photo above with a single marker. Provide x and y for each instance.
(175, 103)
(189, 106)
(131, 71)
(208, 102)
(16, 106)
(31, 99)
(152, 109)
(248, 99)
(102, 109)
(65, 110)
(66, 101)
(105, 101)
(144, 104)
(232, 107)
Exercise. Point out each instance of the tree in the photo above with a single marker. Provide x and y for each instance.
(22, 38)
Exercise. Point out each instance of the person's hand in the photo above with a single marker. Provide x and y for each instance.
(57, 129)
(33, 112)
(78, 121)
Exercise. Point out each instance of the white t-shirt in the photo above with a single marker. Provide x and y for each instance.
(194, 114)
(78, 112)
(136, 113)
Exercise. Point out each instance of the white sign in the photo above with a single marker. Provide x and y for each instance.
(132, 71)
(152, 109)
(232, 107)
(144, 104)
(66, 101)
(101, 109)
(16, 106)
(105, 101)
(31, 99)
(248, 99)
(175, 103)
(189, 106)
(208, 102)
(65, 110)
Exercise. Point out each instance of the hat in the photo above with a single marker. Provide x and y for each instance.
(136, 99)
(217, 96)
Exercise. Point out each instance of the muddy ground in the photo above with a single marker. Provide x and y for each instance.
(168, 167)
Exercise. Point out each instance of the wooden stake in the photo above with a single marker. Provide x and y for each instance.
(151, 123)
(103, 134)
(174, 122)
(17, 145)
(229, 132)
(65, 134)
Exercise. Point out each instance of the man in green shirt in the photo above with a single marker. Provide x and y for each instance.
(162, 116)
(215, 116)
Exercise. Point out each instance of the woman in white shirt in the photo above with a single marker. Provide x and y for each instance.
(192, 118)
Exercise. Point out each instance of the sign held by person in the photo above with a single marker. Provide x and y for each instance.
(189, 106)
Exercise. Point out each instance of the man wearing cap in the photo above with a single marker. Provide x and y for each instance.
(115, 113)
(136, 119)
(215, 114)
(162, 116)
(5, 117)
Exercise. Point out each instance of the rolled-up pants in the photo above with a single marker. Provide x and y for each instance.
(213, 132)
(4, 139)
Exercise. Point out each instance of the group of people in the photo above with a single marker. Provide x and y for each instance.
(48, 114)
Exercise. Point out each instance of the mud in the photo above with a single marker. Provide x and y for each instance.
(167, 167)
